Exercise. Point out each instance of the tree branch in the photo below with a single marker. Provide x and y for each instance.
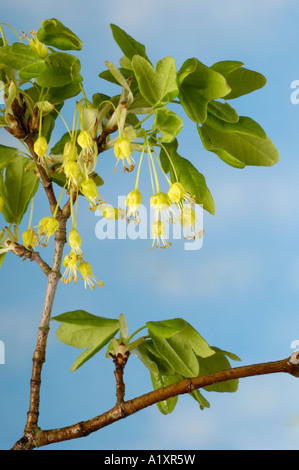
(24, 253)
(130, 407)
(39, 355)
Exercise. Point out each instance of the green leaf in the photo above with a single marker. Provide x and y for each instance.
(199, 85)
(166, 328)
(17, 189)
(84, 330)
(230, 355)
(2, 259)
(241, 80)
(239, 149)
(58, 94)
(32, 70)
(17, 56)
(216, 363)
(62, 69)
(186, 173)
(168, 123)
(225, 67)
(160, 381)
(54, 33)
(7, 155)
(245, 125)
(191, 337)
(223, 111)
(158, 86)
(127, 44)
(178, 355)
(152, 360)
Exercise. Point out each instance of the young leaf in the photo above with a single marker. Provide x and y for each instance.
(166, 328)
(245, 125)
(7, 155)
(241, 80)
(2, 256)
(17, 56)
(191, 337)
(62, 69)
(180, 356)
(216, 363)
(239, 149)
(147, 353)
(199, 85)
(158, 86)
(127, 44)
(32, 70)
(17, 189)
(184, 171)
(203, 403)
(168, 123)
(223, 111)
(54, 33)
(84, 330)
(165, 406)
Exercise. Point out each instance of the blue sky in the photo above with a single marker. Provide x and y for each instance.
(240, 290)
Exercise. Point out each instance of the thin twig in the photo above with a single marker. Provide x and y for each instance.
(24, 253)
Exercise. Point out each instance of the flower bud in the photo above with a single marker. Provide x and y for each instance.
(70, 151)
(71, 170)
(89, 189)
(41, 147)
(110, 213)
(85, 139)
(38, 47)
(47, 227)
(75, 241)
(30, 239)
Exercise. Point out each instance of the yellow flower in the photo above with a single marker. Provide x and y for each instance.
(41, 148)
(161, 203)
(30, 239)
(38, 47)
(177, 194)
(123, 151)
(159, 239)
(47, 227)
(70, 151)
(89, 189)
(75, 241)
(89, 279)
(133, 202)
(71, 170)
(188, 221)
(70, 262)
(85, 140)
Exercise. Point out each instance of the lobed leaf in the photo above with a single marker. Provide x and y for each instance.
(84, 330)
(198, 85)
(53, 33)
